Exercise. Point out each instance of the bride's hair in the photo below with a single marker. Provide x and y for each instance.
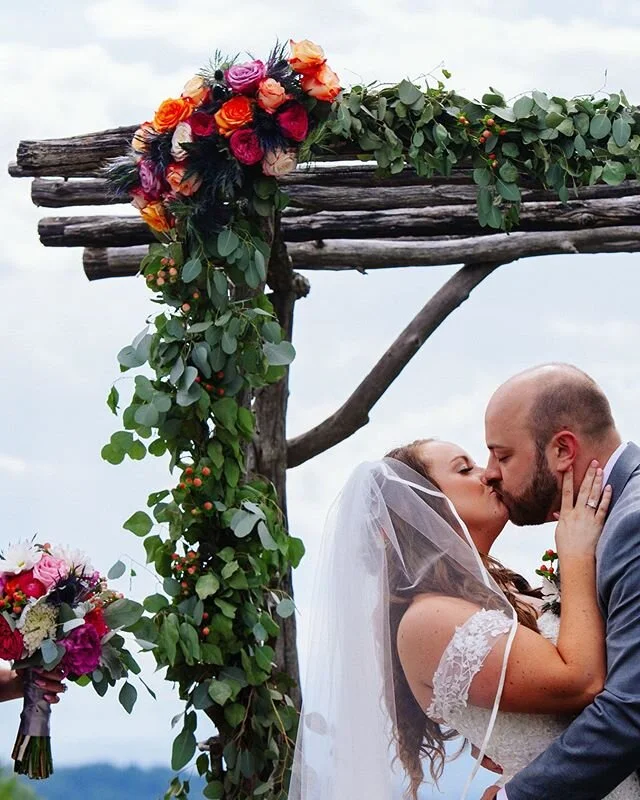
(416, 735)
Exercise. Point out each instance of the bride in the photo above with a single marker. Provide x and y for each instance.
(418, 635)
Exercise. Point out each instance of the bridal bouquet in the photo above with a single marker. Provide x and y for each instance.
(55, 610)
(232, 124)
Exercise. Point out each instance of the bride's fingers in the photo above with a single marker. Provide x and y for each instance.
(587, 484)
(596, 490)
(605, 501)
(567, 492)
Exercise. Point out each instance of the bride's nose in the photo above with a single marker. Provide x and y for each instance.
(483, 476)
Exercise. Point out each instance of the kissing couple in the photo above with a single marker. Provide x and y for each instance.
(418, 636)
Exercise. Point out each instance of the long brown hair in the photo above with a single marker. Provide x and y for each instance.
(416, 735)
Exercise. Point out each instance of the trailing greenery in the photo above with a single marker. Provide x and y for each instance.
(222, 551)
(549, 142)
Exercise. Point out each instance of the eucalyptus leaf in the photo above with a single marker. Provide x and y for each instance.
(117, 570)
(191, 270)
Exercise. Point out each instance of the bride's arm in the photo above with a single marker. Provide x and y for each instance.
(540, 678)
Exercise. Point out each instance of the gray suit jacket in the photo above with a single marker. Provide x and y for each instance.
(601, 747)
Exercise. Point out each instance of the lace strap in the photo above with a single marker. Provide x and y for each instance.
(463, 659)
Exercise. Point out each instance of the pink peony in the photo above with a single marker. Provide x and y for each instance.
(293, 121)
(245, 78)
(49, 570)
(83, 651)
(279, 162)
(149, 181)
(245, 146)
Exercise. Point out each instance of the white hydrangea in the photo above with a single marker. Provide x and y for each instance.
(38, 624)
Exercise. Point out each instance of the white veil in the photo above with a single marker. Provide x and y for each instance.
(390, 533)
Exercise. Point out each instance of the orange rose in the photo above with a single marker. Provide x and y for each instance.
(175, 176)
(234, 114)
(323, 84)
(171, 112)
(155, 216)
(271, 95)
(197, 90)
(306, 56)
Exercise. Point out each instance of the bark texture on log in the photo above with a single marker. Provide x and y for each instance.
(368, 254)
(354, 413)
(369, 194)
(268, 455)
(105, 231)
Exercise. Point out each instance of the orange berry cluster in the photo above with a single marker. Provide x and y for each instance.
(194, 480)
(13, 601)
(157, 280)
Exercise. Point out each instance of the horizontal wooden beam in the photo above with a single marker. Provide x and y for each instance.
(126, 231)
(369, 195)
(368, 254)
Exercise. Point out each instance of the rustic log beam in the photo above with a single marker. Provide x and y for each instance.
(105, 231)
(58, 193)
(354, 413)
(388, 253)
(87, 153)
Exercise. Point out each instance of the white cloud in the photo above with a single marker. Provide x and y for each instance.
(14, 466)
(610, 332)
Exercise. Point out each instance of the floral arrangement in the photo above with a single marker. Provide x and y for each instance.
(550, 572)
(232, 123)
(57, 611)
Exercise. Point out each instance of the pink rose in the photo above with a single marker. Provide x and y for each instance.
(245, 146)
(177, 180)
(271, 95)
(149, 179)
(293, 121)
(244, 78)
(279, 162)
(181, 135)
(83, 650)
(50, 570)
(202, 124)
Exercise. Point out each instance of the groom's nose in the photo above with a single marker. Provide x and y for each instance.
(492, 472)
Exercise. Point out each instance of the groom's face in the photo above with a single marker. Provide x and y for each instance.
(518, 470)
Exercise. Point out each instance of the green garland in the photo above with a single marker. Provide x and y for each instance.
(216, 338)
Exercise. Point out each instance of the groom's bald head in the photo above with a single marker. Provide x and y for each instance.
(539, 423)
(554, 397)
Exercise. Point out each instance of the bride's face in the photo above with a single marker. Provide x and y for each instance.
(460, 478)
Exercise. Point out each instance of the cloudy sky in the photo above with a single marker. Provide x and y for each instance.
(83, 66)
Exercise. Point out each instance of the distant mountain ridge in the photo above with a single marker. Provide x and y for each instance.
(109, 782)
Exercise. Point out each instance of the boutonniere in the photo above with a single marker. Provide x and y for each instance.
(550, 574)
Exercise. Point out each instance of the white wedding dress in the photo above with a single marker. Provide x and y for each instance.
(517, 739)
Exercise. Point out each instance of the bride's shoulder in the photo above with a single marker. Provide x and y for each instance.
(428, 625)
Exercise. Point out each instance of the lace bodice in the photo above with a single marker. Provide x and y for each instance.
(517, 738)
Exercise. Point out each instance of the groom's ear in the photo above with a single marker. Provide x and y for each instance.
(562, 451)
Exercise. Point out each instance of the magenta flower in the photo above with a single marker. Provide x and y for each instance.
(245, 146)
(245, 78)
(83, 651)
(150, 182)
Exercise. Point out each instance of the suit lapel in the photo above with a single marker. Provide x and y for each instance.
(623, 469)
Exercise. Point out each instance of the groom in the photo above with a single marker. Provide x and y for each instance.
(537, 425)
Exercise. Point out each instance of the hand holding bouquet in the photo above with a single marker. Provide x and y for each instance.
(57, 612)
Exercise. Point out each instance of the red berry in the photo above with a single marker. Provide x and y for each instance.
(191, 570)
(150, 276)
(208, 506)
(188, 471)
(17, 610)
(175, 557)
(205, 631)
(184, 585)
(162, 273)
(194, 512)
(160, 281)
(196, 295)
(205, 616)
(197, 482)
(172, 262)
(492, 156)
(220, 375)
(550, 553)
(186, 307)
(220, 392)
(503, 132)
(192, 554)
(189, 481)
(197, 379)
(173, 271)
(206, 472)
(208, 387)
(182, 485)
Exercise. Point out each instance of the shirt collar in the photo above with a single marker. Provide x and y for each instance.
(608, 469)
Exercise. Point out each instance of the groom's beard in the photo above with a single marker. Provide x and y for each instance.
(533, 506)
